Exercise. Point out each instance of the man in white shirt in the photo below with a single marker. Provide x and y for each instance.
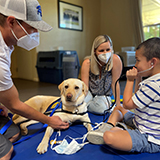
(20, 21)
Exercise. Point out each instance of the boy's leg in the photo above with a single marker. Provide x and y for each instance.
(118, 139)
(96, 136)
(117, 115)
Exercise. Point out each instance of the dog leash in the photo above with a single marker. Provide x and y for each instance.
(58, 104)
(7, 125)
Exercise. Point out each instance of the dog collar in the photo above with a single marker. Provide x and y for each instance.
(62, 110)
(74, 113)
(78, 104)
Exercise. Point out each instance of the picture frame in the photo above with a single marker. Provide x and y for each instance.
(70, 16)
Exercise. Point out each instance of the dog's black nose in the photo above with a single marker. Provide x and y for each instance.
(69, 97)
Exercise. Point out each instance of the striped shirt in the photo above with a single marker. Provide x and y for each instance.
(147, 115)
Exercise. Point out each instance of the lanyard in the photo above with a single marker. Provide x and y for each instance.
(7, 125)
(59, 104)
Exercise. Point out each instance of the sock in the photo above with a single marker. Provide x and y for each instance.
(110, 124)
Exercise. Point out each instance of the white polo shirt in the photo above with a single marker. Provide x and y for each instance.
(5, 62)
(147, 115)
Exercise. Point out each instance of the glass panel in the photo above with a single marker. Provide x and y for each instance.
(151, 31)
(151, 18)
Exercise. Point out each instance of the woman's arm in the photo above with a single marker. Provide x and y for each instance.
(116, 73)
(85, 71)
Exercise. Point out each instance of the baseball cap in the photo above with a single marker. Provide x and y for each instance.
(28, 11)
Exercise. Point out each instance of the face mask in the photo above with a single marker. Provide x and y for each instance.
(69, 148)
(104, 57)
(28, 41)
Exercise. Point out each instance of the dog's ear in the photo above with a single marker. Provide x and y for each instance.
(60, 87)
(85, 88)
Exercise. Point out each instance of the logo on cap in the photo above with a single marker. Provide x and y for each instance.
(39, 11)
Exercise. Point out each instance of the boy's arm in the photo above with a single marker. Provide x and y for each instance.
(128, 92)
(138, 80)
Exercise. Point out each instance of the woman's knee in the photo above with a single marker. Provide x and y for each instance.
(95, 107)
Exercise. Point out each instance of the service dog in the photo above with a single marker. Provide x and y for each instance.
(74, 107)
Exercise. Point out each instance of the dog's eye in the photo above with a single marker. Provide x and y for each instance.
(76, 87)
(66, 87)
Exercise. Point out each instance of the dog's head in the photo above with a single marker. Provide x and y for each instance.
(73, 91)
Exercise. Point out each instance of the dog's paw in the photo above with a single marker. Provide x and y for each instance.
(24, 130)
(42, 148)
(88, 126)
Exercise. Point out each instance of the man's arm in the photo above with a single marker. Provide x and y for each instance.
(10, 99)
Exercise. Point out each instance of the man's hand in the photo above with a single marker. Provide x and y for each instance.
(57, 123)
(4, 110)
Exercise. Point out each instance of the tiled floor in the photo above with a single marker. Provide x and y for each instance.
(28, 89)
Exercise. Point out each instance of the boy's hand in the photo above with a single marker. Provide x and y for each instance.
(132, 74)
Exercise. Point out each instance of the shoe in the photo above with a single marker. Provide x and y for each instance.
(96, 136)
(121, 125)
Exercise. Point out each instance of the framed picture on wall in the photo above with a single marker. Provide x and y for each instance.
(70, 16)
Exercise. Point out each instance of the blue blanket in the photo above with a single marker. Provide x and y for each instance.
(26, 150)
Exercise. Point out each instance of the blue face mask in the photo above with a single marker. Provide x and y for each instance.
(69, 148)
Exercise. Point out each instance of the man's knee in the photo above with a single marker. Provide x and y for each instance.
(6, 148)
(8, 155)
(15, 137)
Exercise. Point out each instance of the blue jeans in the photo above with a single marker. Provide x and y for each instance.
(140, 141)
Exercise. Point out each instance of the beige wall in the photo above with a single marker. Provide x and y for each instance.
(99, 17)
(116, 21)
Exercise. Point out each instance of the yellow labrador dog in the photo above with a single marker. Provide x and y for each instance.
(74, 107)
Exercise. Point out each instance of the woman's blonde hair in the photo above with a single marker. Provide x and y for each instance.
(97, 42)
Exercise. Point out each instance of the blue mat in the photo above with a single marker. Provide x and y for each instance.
(26, 150)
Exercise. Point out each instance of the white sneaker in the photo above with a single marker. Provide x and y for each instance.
(96, 136)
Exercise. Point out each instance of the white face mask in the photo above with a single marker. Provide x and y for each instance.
(28, 41)
(69, 148)
(104, 57)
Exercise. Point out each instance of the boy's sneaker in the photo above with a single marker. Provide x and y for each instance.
(96, 136)
(121, 125)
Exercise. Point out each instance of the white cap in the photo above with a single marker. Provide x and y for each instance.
(28, 11)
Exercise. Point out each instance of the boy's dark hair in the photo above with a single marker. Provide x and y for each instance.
(151, 48)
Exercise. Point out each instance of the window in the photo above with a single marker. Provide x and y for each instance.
(151, 18)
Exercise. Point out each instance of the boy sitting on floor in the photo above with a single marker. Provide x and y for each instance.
(145, 121)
